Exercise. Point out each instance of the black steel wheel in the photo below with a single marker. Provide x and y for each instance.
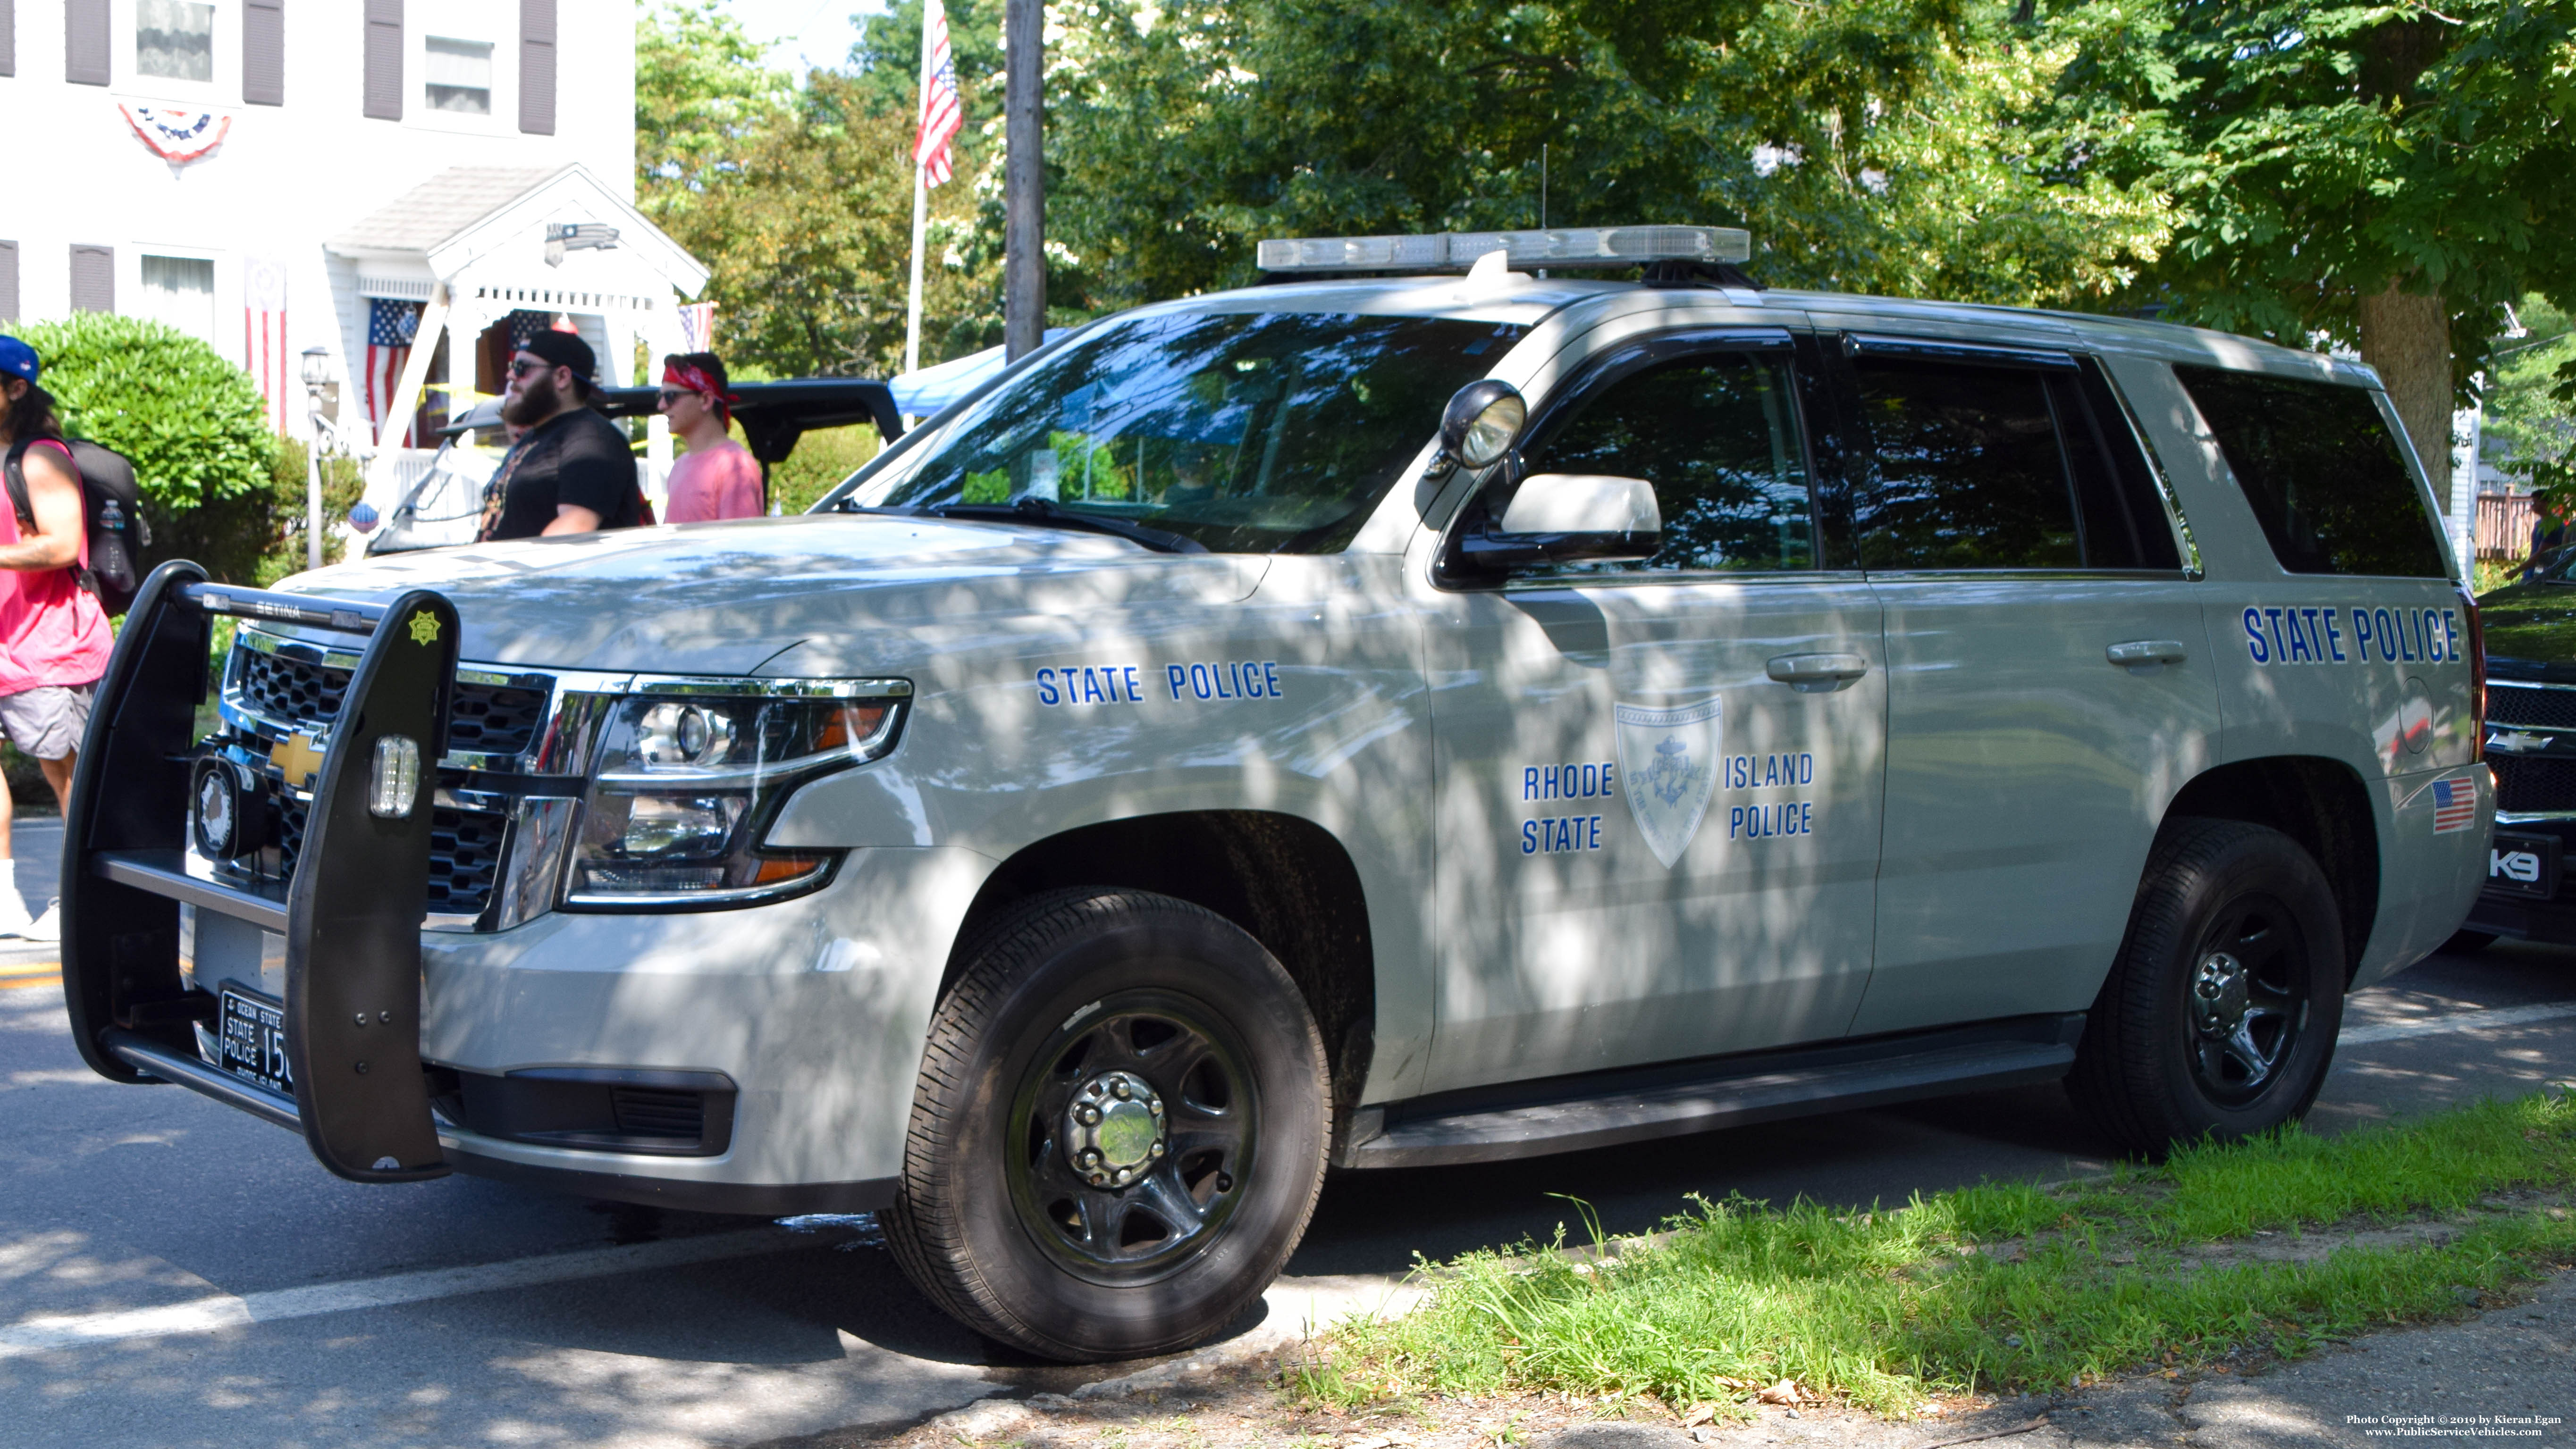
(2247, 999)
(1119, 1129)
(2218, 1018)
(1137, 1127)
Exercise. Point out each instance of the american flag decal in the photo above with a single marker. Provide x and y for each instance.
(2455, 804)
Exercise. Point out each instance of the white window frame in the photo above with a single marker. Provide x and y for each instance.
(493, 22)
(228, 341)
(127, 81)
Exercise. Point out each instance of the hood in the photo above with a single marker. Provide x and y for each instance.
(2529, 628)
(725, 598)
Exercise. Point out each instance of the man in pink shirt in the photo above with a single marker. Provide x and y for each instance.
(54, 638)
(717, 477)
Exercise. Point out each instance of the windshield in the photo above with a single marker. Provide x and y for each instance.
(1248, 432)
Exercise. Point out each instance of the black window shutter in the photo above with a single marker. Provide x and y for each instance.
(537, 67)
(263, 52)
(385, 59)
(8, 281)
(85, 42)
(8, 38)
(93, 278)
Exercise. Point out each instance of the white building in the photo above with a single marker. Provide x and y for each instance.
(275, 177)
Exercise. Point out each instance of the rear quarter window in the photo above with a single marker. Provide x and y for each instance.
(2322, 471)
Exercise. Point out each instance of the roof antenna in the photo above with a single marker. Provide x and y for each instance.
(1542, 193)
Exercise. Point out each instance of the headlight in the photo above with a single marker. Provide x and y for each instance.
(687, 775)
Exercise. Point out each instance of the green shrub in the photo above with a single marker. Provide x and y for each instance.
(193, 424)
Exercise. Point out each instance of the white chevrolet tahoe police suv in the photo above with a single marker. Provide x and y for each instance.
(1366, 720)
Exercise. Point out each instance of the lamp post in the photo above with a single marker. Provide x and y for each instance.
(317, 375)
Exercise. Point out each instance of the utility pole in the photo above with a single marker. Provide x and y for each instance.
(1024, 179)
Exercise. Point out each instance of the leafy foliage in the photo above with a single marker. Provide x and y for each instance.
(701, 95)
(193, 424)
(800, 199)
(2329, 160)
(1878, 146)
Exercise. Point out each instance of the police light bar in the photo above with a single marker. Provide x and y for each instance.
(1571, 247)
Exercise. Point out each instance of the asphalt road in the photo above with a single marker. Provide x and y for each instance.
(175, 1273)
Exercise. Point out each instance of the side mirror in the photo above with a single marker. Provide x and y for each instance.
(1481, 423)
(1563, 517)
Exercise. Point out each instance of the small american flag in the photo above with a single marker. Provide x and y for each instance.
(2455, 804)
(391, 326)
(943, 112)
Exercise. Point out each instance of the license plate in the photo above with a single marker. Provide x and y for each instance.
(253, 1043)
(2523, 865)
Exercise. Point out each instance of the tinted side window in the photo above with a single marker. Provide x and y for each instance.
(1718, 435)
(2322, 471)
(1968, 470)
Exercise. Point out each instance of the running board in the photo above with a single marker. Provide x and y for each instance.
(1603, 1111)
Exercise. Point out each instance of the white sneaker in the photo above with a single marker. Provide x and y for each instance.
(14, 920)
(47, 927)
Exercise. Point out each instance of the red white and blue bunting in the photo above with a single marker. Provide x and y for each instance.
(176, 136)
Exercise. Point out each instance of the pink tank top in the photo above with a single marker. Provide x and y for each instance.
(52, 630)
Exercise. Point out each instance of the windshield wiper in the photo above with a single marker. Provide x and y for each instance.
(1045, 514)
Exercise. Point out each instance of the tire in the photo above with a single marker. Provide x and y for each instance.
(2468, 943)
(1073, 1011)
(2239, 917)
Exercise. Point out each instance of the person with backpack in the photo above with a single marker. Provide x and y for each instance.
(54, 639)
(573, 472)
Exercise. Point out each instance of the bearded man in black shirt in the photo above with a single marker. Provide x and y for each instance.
(571, 471)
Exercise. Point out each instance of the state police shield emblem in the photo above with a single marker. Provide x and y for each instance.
(1669, 759)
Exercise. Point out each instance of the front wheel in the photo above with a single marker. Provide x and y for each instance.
(2219, 1016)
(1119, 1129)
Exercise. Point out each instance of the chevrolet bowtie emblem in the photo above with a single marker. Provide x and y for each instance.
(299, 758)
(2517, 742)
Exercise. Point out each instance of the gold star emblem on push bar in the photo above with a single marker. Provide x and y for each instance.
(424, 628)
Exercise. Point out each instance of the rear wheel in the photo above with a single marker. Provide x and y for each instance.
(1119, 1130)
(2219, 1017)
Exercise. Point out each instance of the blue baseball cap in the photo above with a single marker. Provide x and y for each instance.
(18, 359)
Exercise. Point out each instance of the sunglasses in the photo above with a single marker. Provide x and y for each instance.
(671, 395)
(521, 367)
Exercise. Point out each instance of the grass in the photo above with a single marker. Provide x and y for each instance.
(1998, 1286)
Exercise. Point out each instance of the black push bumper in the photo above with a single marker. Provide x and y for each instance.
(351, 913)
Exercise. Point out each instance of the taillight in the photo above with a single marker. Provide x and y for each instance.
(2477, 679)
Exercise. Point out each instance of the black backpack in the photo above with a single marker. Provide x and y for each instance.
(111, 506)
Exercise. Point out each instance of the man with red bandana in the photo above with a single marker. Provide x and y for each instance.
(717, 477)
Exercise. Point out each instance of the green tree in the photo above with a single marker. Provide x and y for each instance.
(2383, 176)
(810, 241)
(1882, 145)
(702, 97)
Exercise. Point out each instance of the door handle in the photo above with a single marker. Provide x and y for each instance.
(2145, 651)
(1816, 673)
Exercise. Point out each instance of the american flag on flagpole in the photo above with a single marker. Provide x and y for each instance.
(943, 112)
(391, 326)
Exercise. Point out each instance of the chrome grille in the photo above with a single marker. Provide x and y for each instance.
(2523, 704)
(486, 719)
(2525, 786)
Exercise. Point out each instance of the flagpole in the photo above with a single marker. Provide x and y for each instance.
(920, 204)
(920, 231)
